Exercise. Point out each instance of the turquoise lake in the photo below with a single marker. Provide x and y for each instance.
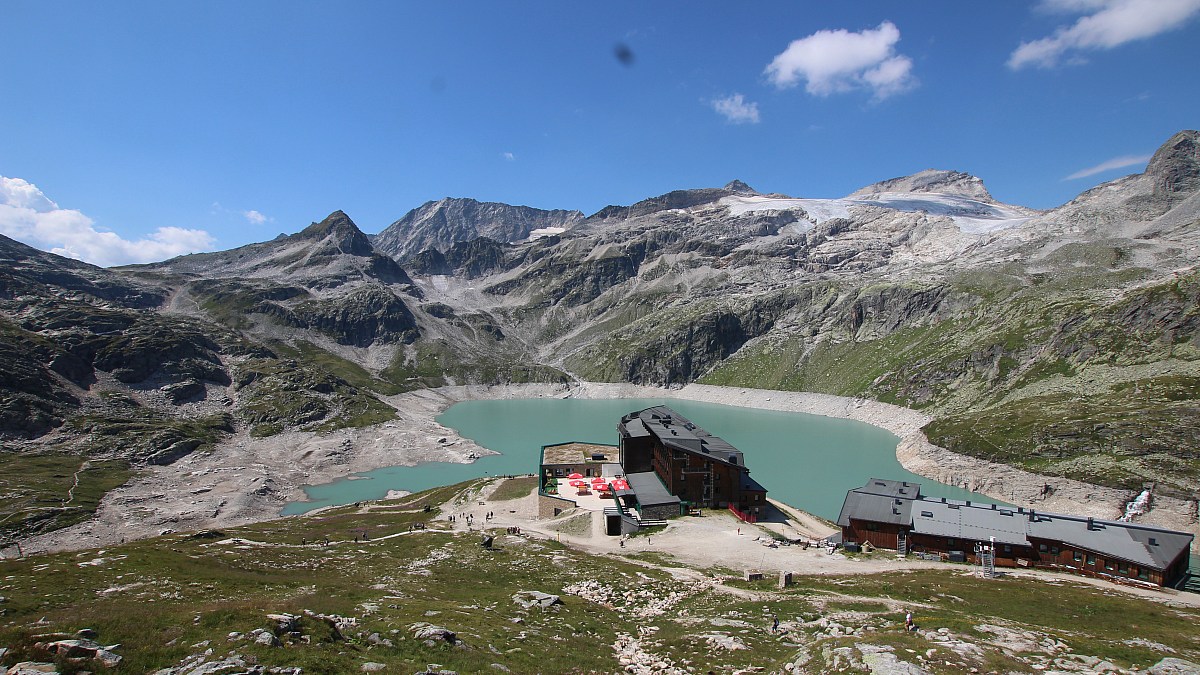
(807, 461)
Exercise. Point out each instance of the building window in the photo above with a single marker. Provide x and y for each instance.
(1123, 568)
(1108, 564)
(1007, 548)
(558, 472)
(1054, 550)
(1042, 548)
(951, 541)
(1143, 574)
(1076, 556)
(873, 527)
(1091, 559)
(757, 498)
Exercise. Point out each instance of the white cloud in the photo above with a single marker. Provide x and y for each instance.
(257, 218)
(836, 61)
(736, 109)
(29, 216)
(509, 156)
(1107, 24)
(1114, 163)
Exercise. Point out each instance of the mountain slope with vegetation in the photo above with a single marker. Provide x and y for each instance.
(1062, 341)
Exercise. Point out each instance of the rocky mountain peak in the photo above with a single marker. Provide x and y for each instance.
(441, 224)
(1175, 167)
(740, 188)
(339, 231)
(932, 180)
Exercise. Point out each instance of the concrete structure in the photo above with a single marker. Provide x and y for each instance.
(560, 460)
(894, 514)
(700, 469)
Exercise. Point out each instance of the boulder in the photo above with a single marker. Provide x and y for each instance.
(1169, 666)
(32, 668)
(267, 638)
(433, 634)
(372, 667)
(531, 599)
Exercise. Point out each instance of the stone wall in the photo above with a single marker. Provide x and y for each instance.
(547, 505)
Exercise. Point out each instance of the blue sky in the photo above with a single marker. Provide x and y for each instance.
(134, 131)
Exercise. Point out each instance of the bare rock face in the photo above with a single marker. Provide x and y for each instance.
(1175, 168)
(932, 180)
(442, 223)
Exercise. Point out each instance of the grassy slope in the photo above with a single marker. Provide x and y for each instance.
(1052, 376)
(163, 598)
(39, 492)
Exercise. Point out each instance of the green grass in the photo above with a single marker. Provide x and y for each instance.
(160, 597)
(514, 488)
(38, 492)
(284, 393)
(350, 372)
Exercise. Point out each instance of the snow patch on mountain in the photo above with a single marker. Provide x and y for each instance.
(545, 232)
(970, 215)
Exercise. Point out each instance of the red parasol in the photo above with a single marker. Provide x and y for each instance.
(575, 475)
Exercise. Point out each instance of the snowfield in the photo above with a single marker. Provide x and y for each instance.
(970, 215)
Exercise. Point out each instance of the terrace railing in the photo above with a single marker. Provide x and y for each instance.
(742, 515)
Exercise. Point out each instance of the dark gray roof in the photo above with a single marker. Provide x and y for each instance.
(975, 522)
(1127, 541)
(634, 428)
(650, 489)
(887, 501)
(881, 501)
(875, 508)
(678, 432)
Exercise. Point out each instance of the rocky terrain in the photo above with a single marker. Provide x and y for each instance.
(1061, 342)
(405, 586)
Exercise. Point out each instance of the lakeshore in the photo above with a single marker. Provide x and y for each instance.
(245, 480)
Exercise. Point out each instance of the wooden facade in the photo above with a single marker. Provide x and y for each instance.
(701, 469)
(889, 514)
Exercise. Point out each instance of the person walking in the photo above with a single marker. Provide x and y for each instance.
(774, 623)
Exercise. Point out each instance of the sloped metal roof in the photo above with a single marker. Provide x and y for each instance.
(1127, 541)
(887, 501)
(678, 432)
(650, 489)
(956, 519)
(875, 508)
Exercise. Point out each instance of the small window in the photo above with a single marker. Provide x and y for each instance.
(1143, 574)
(1042, 548)
(1123, 568)
(1091, 559)
(1007, 548)
(1108, 564)
(1005, 512)
(873, 527)
(1077, 556)
(1053, 550)
(927, 514)
(951, 541)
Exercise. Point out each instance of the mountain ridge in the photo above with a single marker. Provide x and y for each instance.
(1001, 323)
